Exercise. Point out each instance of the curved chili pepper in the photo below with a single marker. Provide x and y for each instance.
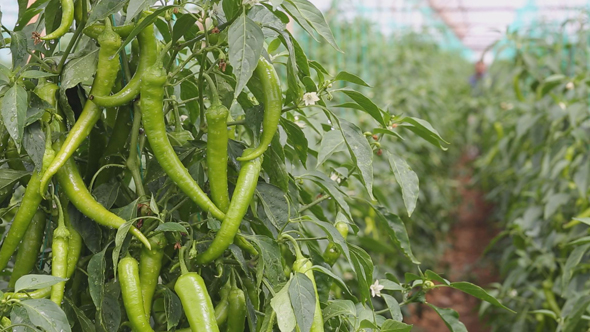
(28, 251)
(73, 186)
(217, 140)
(106, 73)
(196, 303)
(148, 53)
(245, 187)
(59, 254)
(150, 264)
(273, 103)
(67, 18)
(131, 290)
(151, 104)
(332, 253)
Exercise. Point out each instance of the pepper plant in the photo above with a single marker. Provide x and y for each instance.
(179, 189)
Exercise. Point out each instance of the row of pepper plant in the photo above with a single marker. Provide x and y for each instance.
(156, 175)
(535, 168)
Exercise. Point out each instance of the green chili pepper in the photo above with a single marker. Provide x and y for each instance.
(28, 207)
(59, 254)
(332, 253)
(151, 103)
(217, 140)
(67, 18)
(222, 308)
(131, 290)
(36, 294)
(252, 293)
(273, 103)
(245, 187)
(150, 264)
(148, 54)
(106, 73)
(28, 251)
(96, 29)
(75, 244)
(196, 303)
(236, 320)
(303, 265)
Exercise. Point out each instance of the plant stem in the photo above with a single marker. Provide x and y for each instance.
(71, 45)
(314, 203)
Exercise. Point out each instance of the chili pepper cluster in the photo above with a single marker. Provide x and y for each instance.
(64, 188)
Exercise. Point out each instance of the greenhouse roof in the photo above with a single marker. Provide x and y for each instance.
(471, 24)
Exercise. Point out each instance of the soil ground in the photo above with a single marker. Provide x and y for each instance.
(462, 260)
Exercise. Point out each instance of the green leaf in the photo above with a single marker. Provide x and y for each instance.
(18, 49)
(397, 231)
(122, 232)
(363, 265)
(275, 204)
(361, 153)
(270, 254)
(390, 285)
(395, 326)
(109, 314)
(393, 306)
(367, 104)
(85, 323)
(96, 277)
(424, 129)
(135, 7)
(303, 300)
(431, 275)
(104, 8)
(172, 307)
(47, 315)
(231, 8)
(331, 142)
(337, 308)
(281, 304)
(79, 70)
(572, 262)
(478, 292)
(315, 19)
(407, 180)
(574, 319)
(8, 177)
(331, 187)
(36, 74)
(336, 278)
(348, 77)
(182, 25)
(245, 39)
(170, 227)
(387, 132)
(14, 112)
(451, 318)
(297, 139)
(36, 281)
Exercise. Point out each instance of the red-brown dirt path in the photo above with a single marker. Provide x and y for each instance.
(462, 260)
